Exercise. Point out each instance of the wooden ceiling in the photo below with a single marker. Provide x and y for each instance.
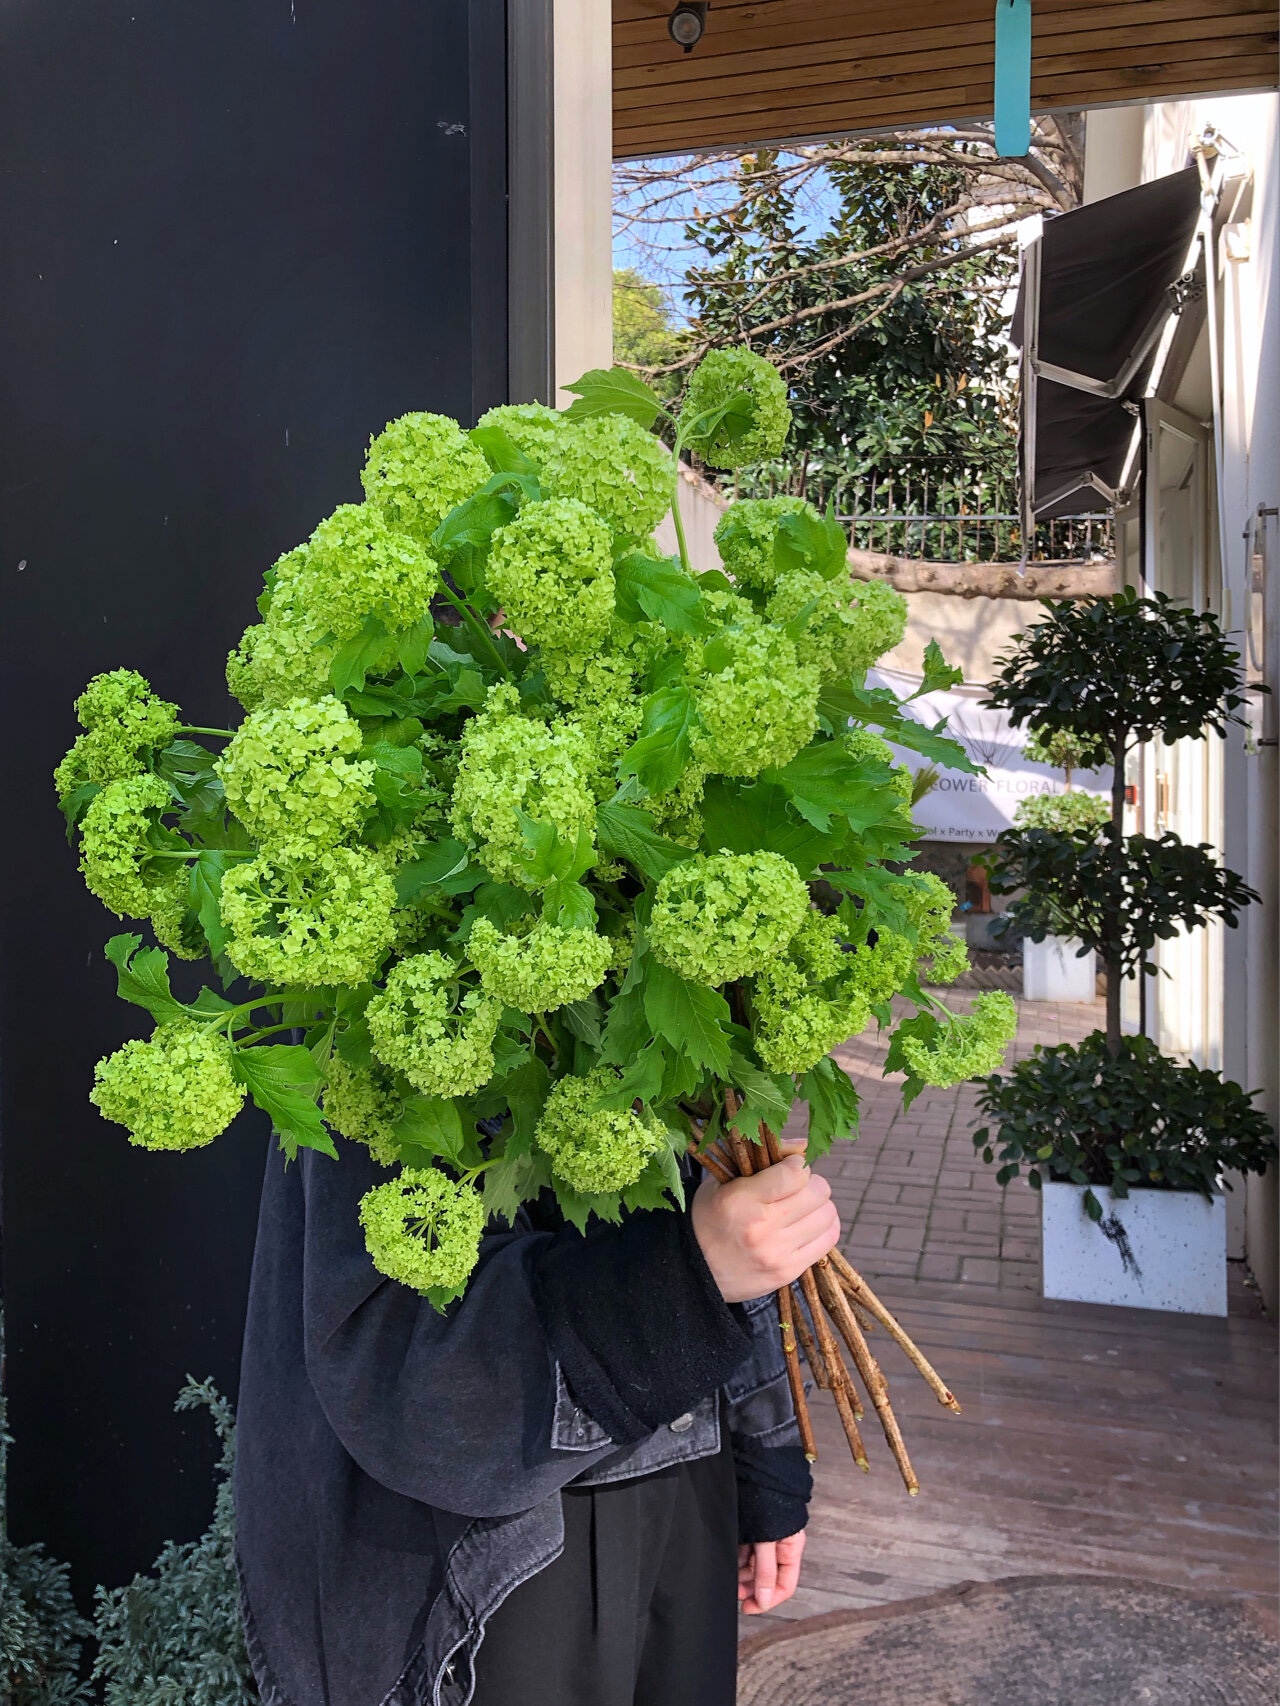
(776, 70)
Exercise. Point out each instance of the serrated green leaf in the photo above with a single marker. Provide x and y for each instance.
(284, 1081)
(658, 590)
(659, 758)
(938, 673)
(412, 644)
(757, 817)
(502, 453)
(430, 1124)
(358, 656)
(766, 1097)
(627, 832)
(823, 783)
(76, 804)
(833, 1106)
(204, 886)
(142, 977)
(437, 862)
(692, 1019)
(813, 543)
(613, 391)
(514, 1180)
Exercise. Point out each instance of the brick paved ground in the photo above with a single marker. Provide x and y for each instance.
(916, 1200)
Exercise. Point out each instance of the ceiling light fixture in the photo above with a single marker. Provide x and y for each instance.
(686, 24)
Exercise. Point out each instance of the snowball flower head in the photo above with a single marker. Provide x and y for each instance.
(719, 918)
(115, 843)
(971, 1046)
(425, 1026)
(930, 907)
(595, 1150)
(176, 1091)
(552, 570)
(511, 764)
(808, 1000)
(546, 969)
(423, 1229)
(285, 657)
(290, 777)
(361, 1102)
(760, 708)
(314, 920)
(850, 626)
(615, 467)
(733, 442)
(354, 567)
(175, 924)
(419, 468)
(531, 427)
(745, 534)
(124, 723)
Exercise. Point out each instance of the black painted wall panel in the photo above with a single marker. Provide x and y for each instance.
(236, 237)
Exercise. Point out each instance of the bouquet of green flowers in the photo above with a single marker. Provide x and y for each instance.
(521, 827)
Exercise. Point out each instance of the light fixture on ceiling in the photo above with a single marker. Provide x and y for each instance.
(687, 23)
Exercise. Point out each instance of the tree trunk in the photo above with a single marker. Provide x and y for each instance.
(986, 580)
(1115, 922)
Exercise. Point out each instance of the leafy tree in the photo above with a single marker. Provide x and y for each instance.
(643, 335)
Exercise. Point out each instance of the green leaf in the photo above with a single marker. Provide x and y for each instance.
(766, 1097)
(502, 454)
(143, 978)
(436, 863)
(545, 858)
(569, 905)
(658, 759)
(76, 804)
(627, 832)
(526, 1092)
(358, 656)
(938, 673)
(583, 1020)
(613, 391)
(810, 542)
(833, 1106)
(283, 1080)
(692, 1019)
(463, 539)
(883, 709)
(757, 817)
(642, 1077)
(412, 644)
(205, 891)
(430, 1125)
(514, 1180)
(823, 782)
(659, 591)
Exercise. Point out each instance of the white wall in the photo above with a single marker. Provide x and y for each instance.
(583, 57)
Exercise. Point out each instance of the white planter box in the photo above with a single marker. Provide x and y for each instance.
(1153, 1250)
(1054, 970)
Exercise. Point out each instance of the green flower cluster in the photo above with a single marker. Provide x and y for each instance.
(942, 956)
(594, 1150)
(735, 410)
(362, 1103)
(552, 570)
(623, 473)
(716, 919)
(745, 534)
(542, 971)
(176, 1091)
(425, 1025)
(321, 919)
(810, 999)
(971, 1045)
(424, 1229)
(531, 427)
(115, 844)
(760, 708)
(852, 623)
(289, 775)
(419, 468)
(511, 765)
(124, 724)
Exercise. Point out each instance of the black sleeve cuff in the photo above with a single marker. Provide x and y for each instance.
(774, 1488)
(636, 1321)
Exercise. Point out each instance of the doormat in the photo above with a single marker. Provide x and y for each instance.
(1026, 1641)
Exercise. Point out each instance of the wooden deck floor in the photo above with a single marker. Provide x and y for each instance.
(1095, 1440)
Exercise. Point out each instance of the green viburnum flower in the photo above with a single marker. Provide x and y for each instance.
(760, 709)
(744, 537)
(354, 567)
(600, 692)
(176, 926)
(616, 468)
(719, 918)
(315, 921)
(595, 1150)
(552, 570)
(124, 724)
(285, 657)
(175, 1091)
(881, 969)
(361, 1102)
(544, 970)
(115, 843)
(851, 625)
(419, 468)
(677, 813)
(421, 1025)
(532, 427)
(717, 379)
(290, 777)
(970, 1046)
(809, 1000)
(424, 1229)
(931, 906)
(511, 764)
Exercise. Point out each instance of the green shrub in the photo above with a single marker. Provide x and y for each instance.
(1073, 1115)
(41, 1632)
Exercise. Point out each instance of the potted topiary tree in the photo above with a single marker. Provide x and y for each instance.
(1114, 1113)
(1057, 967)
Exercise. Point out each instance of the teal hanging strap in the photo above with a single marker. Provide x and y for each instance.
(1013, 77)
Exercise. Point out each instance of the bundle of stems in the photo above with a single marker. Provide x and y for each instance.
(831, 1291)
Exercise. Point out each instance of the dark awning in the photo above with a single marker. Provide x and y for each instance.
(1097, 288)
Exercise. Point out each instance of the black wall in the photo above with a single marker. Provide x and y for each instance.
(236, 237)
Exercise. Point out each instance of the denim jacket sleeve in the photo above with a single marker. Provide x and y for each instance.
(774, 1480)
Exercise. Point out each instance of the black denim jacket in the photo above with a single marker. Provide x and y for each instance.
(399, 1472)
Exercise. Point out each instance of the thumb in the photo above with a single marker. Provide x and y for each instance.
(783, 1179)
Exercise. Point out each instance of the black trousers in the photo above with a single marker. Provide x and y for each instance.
(641, 1607)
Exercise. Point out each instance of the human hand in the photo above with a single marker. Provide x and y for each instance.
(759, 1233)
(768, 1573)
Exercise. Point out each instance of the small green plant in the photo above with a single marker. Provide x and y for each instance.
(174, 1638)
(1073, 1114)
